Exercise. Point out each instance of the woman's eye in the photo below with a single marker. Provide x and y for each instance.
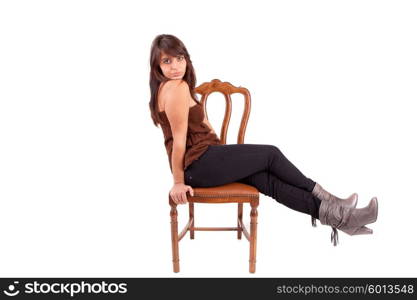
(167, 61)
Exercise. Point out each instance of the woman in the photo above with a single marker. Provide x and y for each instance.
(198, 159)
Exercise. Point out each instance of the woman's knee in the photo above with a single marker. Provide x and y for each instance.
(274, 150)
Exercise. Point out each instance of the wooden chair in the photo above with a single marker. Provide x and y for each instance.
(229, 193)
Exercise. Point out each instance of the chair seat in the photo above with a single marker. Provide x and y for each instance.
(235, 192)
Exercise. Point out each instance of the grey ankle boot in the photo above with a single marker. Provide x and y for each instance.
(348, 219)
(323, 195)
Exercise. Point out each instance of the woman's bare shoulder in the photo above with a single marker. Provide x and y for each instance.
(171, 89)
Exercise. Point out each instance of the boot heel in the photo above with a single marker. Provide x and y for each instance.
(358, 230)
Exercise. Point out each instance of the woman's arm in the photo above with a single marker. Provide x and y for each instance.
(176, 98)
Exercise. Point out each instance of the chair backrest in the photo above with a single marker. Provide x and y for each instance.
(227, 89)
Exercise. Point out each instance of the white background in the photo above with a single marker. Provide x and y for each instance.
(84, 175)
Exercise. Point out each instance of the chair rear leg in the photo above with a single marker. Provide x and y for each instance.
(239, 218)
(191, 209)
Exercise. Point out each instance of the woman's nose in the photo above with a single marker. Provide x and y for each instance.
(175, 63)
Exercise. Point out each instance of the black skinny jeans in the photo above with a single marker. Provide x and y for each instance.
(262, 166)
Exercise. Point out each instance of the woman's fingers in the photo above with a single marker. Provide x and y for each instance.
(190, 189)
(175, 198)
(181, 197)
(184, 197)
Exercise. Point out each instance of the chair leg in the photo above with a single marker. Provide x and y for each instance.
(191, 209)
(253, 231)
(174, 236)
(239, 218)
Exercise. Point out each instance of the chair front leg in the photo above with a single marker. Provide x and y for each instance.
(174, 236)
(253, 234)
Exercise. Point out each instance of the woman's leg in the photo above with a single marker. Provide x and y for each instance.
(222, 164)
(286, 194)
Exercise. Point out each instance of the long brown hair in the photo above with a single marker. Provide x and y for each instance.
(173, 46)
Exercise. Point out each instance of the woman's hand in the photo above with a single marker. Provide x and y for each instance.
(178, 193)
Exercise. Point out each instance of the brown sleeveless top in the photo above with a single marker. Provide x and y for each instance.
(199, 135)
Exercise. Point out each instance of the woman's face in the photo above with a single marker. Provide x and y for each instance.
(173, 67)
